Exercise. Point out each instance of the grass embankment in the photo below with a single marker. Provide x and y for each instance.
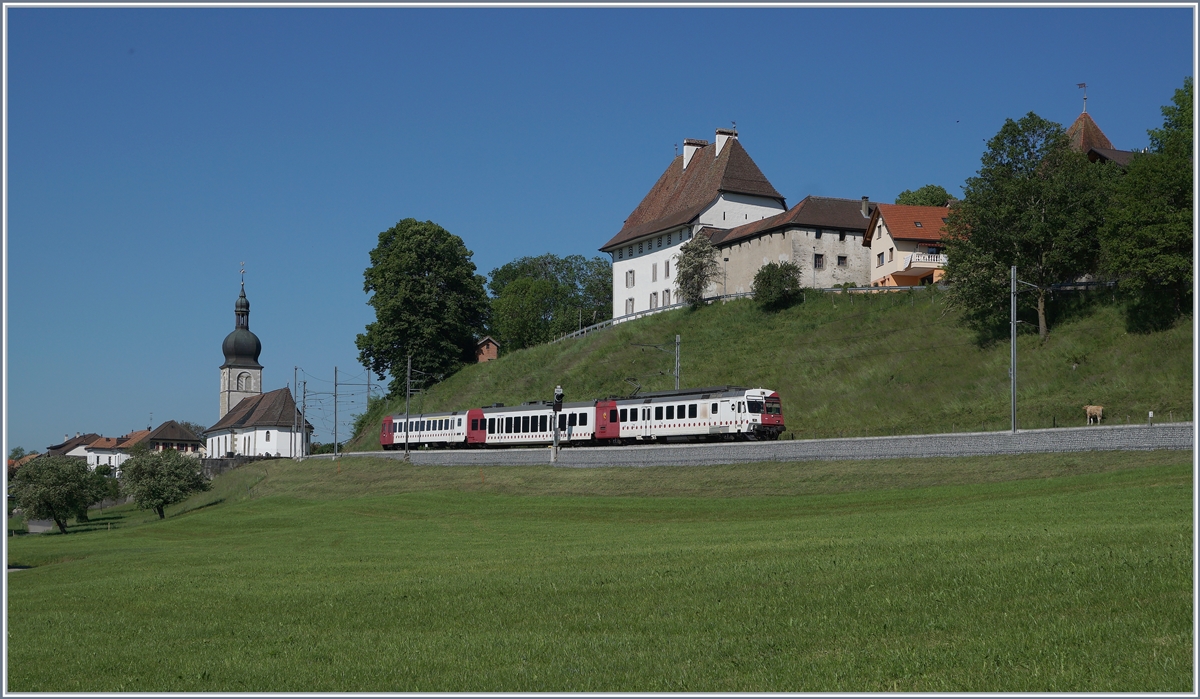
(1021, 573)
(854, 365)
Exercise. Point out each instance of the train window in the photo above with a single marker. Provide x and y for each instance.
(460, 422)
(658, 412)
(508, 425)
(542, 424)
(571, 420)
(583, 418)
(612, 415)
(491, 424)
(624, 414)
(692, 410)
(633, 413)
(474, 424)
(670, 412)
(524, 423)
(755, 406)
(714, 409)
(679, 411)
(562, 421)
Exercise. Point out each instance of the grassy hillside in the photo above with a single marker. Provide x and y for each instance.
(855, 366)
(1034, 573)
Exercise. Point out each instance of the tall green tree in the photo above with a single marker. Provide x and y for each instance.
(157, 479)
(524, 314)
(929, 195)
(579, 293)
(696, 269)
(428, 302)
(1034, 203)
(54, 487)
(1147, 241)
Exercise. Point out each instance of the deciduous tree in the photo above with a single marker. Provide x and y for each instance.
(428, 302)
(524, 314)
(1036, 204)
(929, 195)
(53, 487)
(579, 292)
(157, 479)
(696, 269)
(1147, 241)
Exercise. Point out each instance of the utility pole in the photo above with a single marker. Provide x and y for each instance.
(558, 401)
(295, 390)
(407, 396)
(676, 362)
(304, 420)
(335, 445)
(1012, 371)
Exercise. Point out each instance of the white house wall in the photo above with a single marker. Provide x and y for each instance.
(800, 247)
(732, 210)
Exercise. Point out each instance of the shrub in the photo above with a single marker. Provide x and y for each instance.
(777, 285)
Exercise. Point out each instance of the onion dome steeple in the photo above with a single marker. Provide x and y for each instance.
(241, 347)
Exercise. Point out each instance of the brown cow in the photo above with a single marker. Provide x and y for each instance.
(1094, 411)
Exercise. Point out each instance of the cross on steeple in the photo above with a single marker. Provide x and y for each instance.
(243, 276)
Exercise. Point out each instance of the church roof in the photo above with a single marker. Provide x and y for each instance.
(274, 409)
(1085, 135)
(814, 212)
(681, 194)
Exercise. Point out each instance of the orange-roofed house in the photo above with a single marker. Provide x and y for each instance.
(906, 244)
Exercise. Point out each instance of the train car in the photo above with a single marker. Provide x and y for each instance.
(723, 412)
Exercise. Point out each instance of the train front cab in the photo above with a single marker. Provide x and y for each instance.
(386, 438)
(770, 412)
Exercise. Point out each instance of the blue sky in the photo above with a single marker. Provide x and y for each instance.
(151, 151)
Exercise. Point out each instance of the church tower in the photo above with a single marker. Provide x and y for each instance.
(241, 374)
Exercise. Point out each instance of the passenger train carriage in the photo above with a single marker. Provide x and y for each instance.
(723, 412)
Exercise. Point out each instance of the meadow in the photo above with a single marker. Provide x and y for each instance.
(1020, 573)
(854, 365)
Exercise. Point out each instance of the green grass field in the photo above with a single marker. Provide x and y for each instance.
(1027, 573)
(855, 365)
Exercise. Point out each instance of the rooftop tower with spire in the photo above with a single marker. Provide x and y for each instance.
(241, 374)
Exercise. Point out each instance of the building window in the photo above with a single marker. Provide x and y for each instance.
(841, 236)
(621, 254)
(639, 248)
(818, 261)
(628, 306)
(818, 236)
(654, 300)
(917, 224)
(879, 257)
(667, 297)
(631, 251)
(891, 254)
(667, 269)
(268, 435)
(841, 260)
(244, 382)
(660, 241)
(654, 272)
(630, 279)
(669, 238)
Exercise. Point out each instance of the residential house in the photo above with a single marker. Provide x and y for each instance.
(906, 244)
(264, 425)
(710, 185)
(486, 350)
(72, 446)
(821, 235)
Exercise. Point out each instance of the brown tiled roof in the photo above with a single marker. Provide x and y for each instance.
(681, 195)
(901, 222)
(105, 443)
(811, 212)
(171, 431)
(60, 449)
(128, 440)
(1120, 157)
(1085, 135)
(274, 409)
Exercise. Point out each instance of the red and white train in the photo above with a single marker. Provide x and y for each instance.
(724, 412)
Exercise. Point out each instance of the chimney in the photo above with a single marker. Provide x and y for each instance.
(690, 145)
(866, 210)
(76, 435)
(724, 135)
(66, 438)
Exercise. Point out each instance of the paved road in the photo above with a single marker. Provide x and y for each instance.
(1064, 439)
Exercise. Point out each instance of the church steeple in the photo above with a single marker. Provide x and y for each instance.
(241, 374)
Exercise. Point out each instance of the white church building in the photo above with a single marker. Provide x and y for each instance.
(253, 423)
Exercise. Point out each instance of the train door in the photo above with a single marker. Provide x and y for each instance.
(476, 425)
(726, 415)
(608, 420)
